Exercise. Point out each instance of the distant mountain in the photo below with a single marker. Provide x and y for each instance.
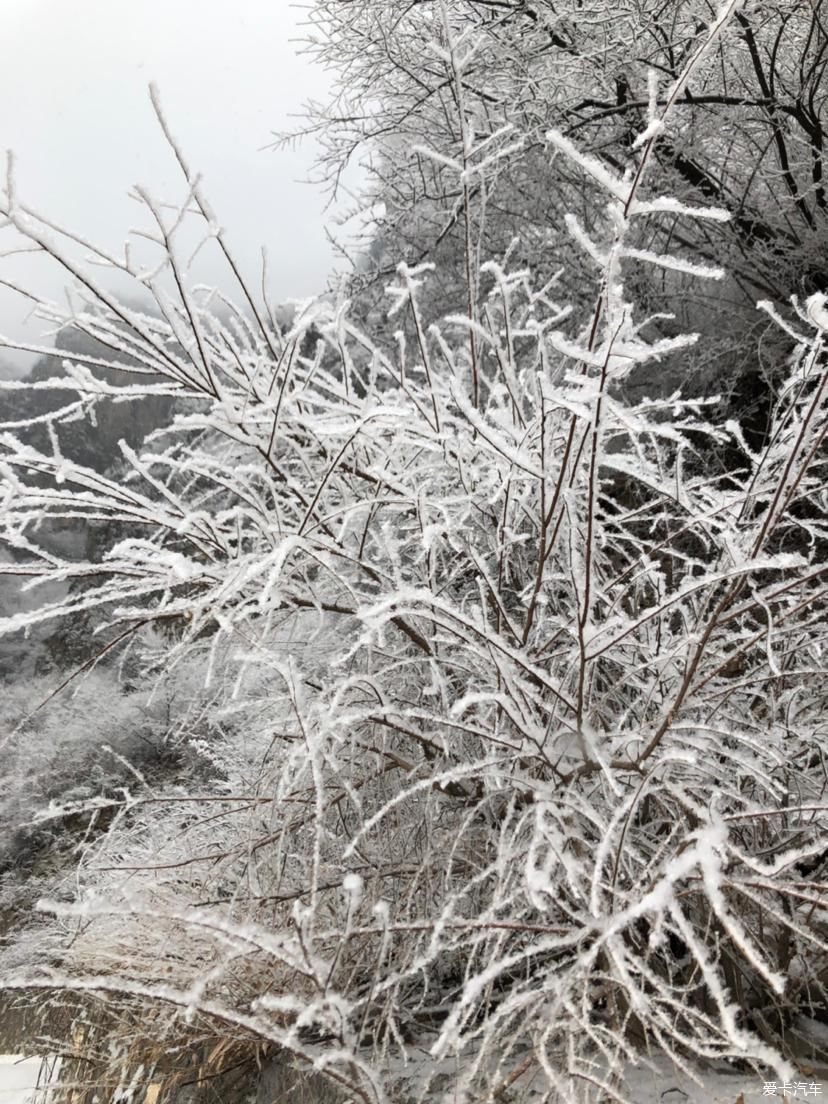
(95, 446)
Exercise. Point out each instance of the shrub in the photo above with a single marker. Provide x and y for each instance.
(515, 711)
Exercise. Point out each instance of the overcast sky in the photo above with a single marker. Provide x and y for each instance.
(75, 109)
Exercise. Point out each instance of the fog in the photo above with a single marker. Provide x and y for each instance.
(75, 109)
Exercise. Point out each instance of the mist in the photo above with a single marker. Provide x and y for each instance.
(76, 112)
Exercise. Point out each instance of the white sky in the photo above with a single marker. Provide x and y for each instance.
(75, 109)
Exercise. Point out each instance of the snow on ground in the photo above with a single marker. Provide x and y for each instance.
(658, 1082)
(21, 1077)
(661, 1086)
(18, 1078)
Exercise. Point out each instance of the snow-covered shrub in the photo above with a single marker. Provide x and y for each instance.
(515, 713)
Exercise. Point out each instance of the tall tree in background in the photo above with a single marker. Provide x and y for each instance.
(749, 136)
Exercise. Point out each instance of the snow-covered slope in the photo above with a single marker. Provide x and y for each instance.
(18, 1078)
(23, 1080)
